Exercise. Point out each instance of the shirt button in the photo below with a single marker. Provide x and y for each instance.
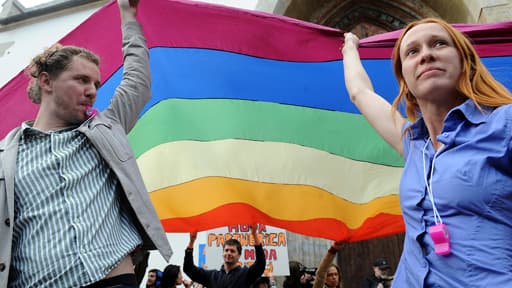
(2, 267)
(8, 222)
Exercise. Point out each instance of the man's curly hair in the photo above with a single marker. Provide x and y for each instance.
(54, 61)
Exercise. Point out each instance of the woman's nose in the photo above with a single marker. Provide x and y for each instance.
(427, 55)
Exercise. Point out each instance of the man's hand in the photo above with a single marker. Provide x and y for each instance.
(187, 283)
(128, 10)
(125, 4)
(254, 230)
(306, 278)
(193, 237)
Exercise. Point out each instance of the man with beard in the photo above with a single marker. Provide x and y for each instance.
(75, 208)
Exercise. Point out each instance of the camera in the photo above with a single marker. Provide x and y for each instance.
(310, 271)
(307, 276)
(386, 280)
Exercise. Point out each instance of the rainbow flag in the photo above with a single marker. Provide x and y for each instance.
(250, 120)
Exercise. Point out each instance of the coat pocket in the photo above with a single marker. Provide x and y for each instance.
(113, 141)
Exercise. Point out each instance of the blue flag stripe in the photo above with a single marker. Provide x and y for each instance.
(191, 73)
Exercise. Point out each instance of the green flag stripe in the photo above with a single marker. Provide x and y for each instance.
(344, 134)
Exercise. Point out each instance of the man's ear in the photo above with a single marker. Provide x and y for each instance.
(45, 82)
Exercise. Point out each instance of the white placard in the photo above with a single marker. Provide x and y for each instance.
(274, 245)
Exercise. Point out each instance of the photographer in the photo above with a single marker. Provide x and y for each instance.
(300, 276)
(329, 274)
(380, 277)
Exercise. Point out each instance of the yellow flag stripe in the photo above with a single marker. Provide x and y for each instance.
(175, 163)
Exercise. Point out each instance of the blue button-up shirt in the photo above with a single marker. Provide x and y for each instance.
(472, 190)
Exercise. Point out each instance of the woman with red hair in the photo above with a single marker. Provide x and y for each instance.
(456, 186)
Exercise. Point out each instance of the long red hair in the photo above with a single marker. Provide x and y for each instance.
(475, 81)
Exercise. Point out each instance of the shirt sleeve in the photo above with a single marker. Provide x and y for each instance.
(195, 273)
(257, 269)
(134, 92)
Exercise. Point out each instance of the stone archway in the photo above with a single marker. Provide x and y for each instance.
(363, 17)
(369, 17)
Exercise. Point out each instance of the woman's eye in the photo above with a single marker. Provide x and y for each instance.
(411, 52)
(439, 43)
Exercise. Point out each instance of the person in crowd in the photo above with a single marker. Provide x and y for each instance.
(231, 274)
(328, 274)
(262, 282)
(71, 195)
(154, 278)
(379, 277)
(172, 277)
(456, 186)
(300, 276)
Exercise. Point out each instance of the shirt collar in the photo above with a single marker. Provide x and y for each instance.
(28, 126)
(27, 129)
(468, 110)
(230, 271)
(472, 113)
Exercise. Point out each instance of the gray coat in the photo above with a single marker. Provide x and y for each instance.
(107, 132)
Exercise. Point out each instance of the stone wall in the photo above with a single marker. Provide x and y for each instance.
(365, 17)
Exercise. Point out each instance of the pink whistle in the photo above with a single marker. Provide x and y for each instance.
(90, 111)
(441, 238)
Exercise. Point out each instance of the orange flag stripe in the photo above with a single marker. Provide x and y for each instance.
(206, 194)
(236, 213)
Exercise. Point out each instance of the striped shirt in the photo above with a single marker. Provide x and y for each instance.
(70, 229)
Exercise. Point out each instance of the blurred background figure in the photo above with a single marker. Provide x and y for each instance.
(262, 282)
(154, 278)
(380, 278)
(300, 276)
(328, 274)
(172, 277)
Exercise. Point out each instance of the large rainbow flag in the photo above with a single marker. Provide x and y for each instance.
(250, 120)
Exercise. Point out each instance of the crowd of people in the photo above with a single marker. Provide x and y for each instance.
(327, 275)
(455, 192)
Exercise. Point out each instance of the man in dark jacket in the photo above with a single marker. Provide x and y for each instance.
(380, 277)
(231, 274)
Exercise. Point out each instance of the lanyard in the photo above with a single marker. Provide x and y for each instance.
(428, 183)
(439, 231)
